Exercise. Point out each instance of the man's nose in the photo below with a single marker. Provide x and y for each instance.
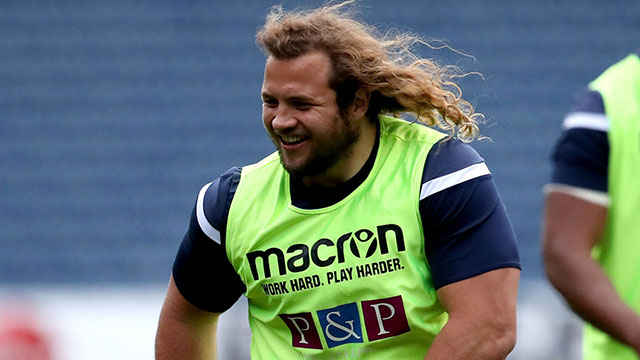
(284, 118)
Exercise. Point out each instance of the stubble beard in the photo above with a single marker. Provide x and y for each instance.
(325, 155)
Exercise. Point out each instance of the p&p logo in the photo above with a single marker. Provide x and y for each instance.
(385, 318)
(303, 330)
(340, 325)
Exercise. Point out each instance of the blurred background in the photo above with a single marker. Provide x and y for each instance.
(114, 114)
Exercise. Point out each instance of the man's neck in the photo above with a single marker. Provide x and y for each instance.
(349, 166)
(317, 197)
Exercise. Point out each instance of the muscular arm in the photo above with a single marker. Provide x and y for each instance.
(482, 317)
(472, 253)
(572, 227)
(185, 332)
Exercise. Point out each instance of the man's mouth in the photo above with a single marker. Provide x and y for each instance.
(291, 140)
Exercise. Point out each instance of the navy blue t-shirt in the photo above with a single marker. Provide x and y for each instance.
(466, 227)
(581, 154)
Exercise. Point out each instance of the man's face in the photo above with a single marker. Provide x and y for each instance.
(301, 115)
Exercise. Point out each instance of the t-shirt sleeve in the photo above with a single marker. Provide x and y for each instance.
(202, 271)
(581, 154)
(466, 228)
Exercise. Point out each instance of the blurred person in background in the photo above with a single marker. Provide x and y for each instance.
(364, 235)
(591, 235)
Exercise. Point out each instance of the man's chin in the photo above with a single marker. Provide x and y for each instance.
(295, 172)
(306, 167)
(300, 171)
(292, 169)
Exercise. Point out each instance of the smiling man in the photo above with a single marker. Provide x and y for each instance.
(363, 236)
(317, 143)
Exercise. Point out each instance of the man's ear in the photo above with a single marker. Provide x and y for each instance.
(360, 104)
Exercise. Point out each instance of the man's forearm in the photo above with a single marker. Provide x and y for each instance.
(460, 339)
(572, 227)
(590, 293)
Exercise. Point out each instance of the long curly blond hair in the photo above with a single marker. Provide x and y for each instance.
(399, 81)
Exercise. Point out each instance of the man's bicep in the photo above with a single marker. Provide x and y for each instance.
(467, 232)
(482, 317)
(489, 294)
(203, 273)
(185, 331)
(571, 223)
(178, 308)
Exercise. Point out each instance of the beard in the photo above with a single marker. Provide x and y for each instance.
(328, 149)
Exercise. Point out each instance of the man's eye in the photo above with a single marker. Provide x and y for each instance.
(303, 106)
(270, 103)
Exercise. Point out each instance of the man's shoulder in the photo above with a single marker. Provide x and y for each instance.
(581, 154)
(587, 113)
(215, 197)
(449, 156)
(411, 131)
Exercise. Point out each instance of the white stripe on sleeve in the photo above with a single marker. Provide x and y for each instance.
(593, 196)
(586, 120)
(457, 177)
(209, 230)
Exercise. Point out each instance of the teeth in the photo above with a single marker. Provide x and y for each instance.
(291, 139)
